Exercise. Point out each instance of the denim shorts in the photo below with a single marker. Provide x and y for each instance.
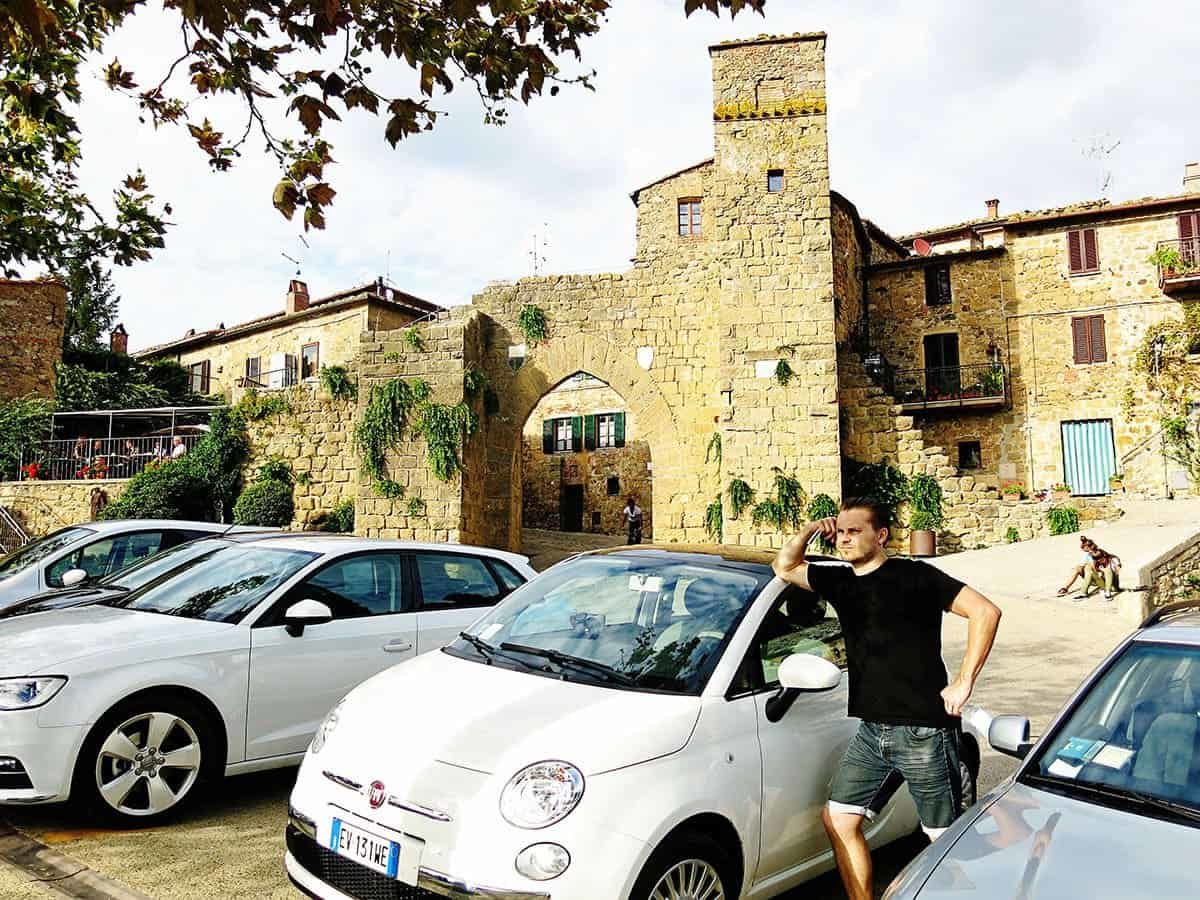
(882, 757)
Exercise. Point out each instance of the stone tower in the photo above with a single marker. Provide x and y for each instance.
(769, 193)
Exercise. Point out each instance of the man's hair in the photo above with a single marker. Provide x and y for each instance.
(879, 513)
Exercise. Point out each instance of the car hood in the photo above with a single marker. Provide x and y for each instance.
(41, 643)
(441, 708)
(1035, 845)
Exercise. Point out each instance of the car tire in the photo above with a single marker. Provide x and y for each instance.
(689, 859)
(968, 771)
(143, 761)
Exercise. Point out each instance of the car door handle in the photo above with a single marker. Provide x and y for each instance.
(397, 646)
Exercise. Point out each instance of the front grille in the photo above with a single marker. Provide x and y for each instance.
(348, 876)
(13, 776)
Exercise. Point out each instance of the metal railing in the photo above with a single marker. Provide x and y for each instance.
(93, 458)
(12, 535)
(271, 380)
(1178, 259)
(940, 386)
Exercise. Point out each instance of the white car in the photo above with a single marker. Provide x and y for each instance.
(639, 723)
(83, 554)
(224, 665)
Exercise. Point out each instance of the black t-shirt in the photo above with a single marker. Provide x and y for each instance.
(892, 622)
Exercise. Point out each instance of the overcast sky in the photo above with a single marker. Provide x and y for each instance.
(933, 108)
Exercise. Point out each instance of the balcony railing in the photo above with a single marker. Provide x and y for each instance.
(1178, 265)
(949, 387)
(92, 458)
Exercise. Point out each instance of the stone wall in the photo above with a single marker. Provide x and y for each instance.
(44, 506)
(1176, 577)
(544, 474)
(337, 333)
(32, 318)
(317, 440)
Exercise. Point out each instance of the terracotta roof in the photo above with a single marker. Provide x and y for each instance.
(705, 162)
(916, 262)
(770, 39)
(363, 293)
(1082, 210)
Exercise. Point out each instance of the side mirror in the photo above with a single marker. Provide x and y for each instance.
(307, 612)
(1010, 735)
(72, 577)
(801, 673)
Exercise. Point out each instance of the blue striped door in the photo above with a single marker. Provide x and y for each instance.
(1089, 456)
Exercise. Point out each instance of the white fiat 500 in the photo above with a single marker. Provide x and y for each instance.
(645, 723)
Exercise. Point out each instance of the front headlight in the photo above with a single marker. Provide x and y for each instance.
(326, 728)
(26, 693)
(541, 794)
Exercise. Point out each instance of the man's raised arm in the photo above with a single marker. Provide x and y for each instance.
(790, 564)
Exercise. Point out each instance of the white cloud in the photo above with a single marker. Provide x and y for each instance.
(934, 108)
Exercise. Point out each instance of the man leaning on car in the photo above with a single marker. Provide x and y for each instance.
(890, 610)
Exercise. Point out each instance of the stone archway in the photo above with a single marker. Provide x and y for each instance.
(546, 367)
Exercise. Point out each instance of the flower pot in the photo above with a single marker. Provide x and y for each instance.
(922, 543)
(1059, 496)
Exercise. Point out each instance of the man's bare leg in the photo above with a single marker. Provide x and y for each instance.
(851, 851)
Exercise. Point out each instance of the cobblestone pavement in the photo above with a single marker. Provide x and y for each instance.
(231, 844)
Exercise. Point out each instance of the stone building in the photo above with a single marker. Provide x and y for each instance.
(1030, 324)
(582, 459)
(32, 318)
(290, 346)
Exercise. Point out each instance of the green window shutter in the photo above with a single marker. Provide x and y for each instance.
(547, 435)
(576, 433)
(619, 428)
(589, 432)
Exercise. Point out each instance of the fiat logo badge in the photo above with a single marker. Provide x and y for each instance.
(377, 794)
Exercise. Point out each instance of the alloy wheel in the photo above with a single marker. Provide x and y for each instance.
(148, 763)
(691, 879)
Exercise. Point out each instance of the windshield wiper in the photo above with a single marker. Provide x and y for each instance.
(577, 662)
(1114, 792)
(479, 644)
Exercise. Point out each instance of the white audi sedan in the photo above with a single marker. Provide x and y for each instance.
(643, 723)
(224, 665)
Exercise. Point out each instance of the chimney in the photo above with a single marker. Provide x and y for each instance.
(993, 208)
(118, 340)
(1191, 178)
(297, 297)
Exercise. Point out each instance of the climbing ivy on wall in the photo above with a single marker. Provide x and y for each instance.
(741, 495)
(714, 448)
(531, 322)
(337, 381)
(413, 338)
(714, 520)
(398, 407)
(786, 508)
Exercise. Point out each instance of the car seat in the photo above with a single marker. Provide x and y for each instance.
(711, 606)
(1169, 756)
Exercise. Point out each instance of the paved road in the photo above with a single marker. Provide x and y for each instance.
(233, 839)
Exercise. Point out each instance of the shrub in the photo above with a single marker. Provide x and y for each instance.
(925, 495)
(340, 519)
(1012, 536)
(1062, 520)
(880, 481)
(275, 469)
(923, 520)
(336, 380)
(23, 423)
(267, 503)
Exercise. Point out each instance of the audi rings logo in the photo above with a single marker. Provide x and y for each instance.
(377, 794)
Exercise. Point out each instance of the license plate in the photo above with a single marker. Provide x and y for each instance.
(365, 848)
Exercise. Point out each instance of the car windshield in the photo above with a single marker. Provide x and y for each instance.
(1135, 735)
(160, 564)
(31, 554)
(622, 620)
(220, 586)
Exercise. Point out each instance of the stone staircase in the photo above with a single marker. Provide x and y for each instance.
(876, 428)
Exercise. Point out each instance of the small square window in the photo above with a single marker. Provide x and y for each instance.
(969, 455)
(775, 181)
(562, 435)
(614, 485)
(606, 431)
(689, 217)
(309, 360)
(937, 285)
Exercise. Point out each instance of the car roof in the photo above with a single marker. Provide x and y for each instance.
(1177, 623)
(107, 526)
(323, 542)
(756, 557)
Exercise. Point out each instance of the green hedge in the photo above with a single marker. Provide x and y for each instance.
(267, 503)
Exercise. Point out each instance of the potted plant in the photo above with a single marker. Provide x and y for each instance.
(1116, 483)
(1060, 492)
(925, 495)
(32, 471)
(1012, 491)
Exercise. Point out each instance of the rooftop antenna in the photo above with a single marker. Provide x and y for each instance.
(535, 253)
(293, 259)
